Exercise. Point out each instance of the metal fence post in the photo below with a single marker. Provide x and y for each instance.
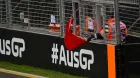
(80, 16)
(61, 9)
(98, 17)
(117, 23)
(8, 13)
(74, 16)
(104, 19)
(139, 8)
(0, 11)
(29, 14)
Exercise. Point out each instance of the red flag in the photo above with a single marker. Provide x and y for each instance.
(71, 41)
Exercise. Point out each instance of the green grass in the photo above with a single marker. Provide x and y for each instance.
(36, 71)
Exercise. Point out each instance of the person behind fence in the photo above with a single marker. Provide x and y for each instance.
(53, 20)
(109, 30)
(123, 29)
(90, 24)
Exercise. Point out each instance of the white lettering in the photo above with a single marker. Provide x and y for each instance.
(18, 50)
(76, 65)
(68, 61)
(91, 61)
(7, 47)
(2, 47)
(83, 66)
(83, 59)
(62, 56)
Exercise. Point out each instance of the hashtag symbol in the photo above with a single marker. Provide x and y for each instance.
(54, 55)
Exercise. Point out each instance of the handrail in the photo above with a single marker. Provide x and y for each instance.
(134, 23)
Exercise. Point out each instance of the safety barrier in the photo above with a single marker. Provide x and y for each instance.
(41, 24)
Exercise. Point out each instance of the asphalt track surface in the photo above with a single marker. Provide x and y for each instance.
(7, 75)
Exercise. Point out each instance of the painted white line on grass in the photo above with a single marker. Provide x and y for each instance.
(20, 73)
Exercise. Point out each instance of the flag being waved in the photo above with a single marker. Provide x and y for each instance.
(72, 41)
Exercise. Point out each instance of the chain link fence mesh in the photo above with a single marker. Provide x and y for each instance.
(36, 14)
(2, 11)
(130, 15)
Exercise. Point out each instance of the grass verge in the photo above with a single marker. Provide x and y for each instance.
(36, 71)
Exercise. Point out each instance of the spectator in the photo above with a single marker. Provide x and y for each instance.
(90, 24)
(111, 28)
